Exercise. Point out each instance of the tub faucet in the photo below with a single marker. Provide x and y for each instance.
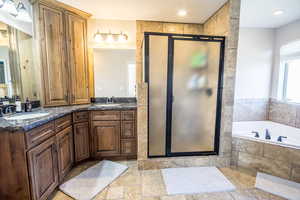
(279, 139)
(268, 136)
(256, 134)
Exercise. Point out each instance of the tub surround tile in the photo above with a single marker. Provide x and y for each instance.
(276, 160)
(283, 113)
(251, 109)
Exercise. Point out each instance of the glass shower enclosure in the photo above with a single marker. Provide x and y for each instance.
(184, 76)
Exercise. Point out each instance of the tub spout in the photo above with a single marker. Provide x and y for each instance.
(279, 139)
(268, 136)
(256, 134)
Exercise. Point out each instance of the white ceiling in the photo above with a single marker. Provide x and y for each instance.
(259, 13)
(156, 10)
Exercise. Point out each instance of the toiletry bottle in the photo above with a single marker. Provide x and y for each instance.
(18, 104)
(28, 106)
(5, 101)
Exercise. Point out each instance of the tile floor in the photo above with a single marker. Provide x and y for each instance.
(149, 185)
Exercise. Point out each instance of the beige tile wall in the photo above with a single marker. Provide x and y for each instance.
(224, 22)
(276, 160)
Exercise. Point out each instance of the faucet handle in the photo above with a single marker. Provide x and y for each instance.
(256, 134)
(279, 139)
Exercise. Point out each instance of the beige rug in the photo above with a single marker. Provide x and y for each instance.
(90, 182)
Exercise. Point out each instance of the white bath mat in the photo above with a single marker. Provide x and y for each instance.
(90, 182)
(278, 186)
(192, 180)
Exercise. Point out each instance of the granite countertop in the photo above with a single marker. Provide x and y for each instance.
(56, 112)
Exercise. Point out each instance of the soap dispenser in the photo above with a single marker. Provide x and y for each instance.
(18, 104)
(28, 105)
(5, 101)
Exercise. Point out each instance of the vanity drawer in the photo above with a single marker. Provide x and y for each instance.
(128, 115)
(81, 116)
(38, 135)
(63, 122)
(106, 115)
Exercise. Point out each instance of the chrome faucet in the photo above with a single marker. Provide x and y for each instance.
(268, 136)
(110, 100)
(256, 134)
(279, 139)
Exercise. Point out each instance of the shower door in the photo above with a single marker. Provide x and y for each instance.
(184, 73)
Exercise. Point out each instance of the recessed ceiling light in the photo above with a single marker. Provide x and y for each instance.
(278, 12)
(182, 13)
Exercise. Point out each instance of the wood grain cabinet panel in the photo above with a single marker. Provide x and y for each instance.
(128, 115)
(42, 162)
(77, 56)
(109, 115)
(81, 141)
(128, 129)
(53, 53)
(128, 147)
(63, 122)
(65, 152)
(81, 116)
(106, 138)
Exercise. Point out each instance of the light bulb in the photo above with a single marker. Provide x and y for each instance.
(182, 13)
(109, 38)
(122, 37)
(23, 15)
(9, 6)
(98, 37)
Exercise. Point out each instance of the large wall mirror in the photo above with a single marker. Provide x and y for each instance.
(18, 72)
(114, 72)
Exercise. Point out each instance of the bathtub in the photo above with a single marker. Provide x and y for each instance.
(244, 130)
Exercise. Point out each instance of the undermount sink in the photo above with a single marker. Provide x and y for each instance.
(108, 105)
(26, 116)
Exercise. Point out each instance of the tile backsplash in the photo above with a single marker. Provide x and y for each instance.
(267, 109)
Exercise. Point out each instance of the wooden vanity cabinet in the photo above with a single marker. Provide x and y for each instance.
(43, 169)
(62, 33)
(81, 135)
(52, 158)
(77, 56)
(113, 134)
(65, 152)
(53, 56)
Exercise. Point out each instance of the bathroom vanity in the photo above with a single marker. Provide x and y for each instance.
(40, 152)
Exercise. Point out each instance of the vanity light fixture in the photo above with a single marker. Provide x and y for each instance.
(110, 37)
(182, 13)
(23, 15)
(278, 12)
(98, 37)
(9, 6)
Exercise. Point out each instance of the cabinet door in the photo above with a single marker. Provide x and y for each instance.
(77, 56)
(81, 141)
(128, 147)
(42, 162)
(106, 138)
(128, 129)
(65, 152)
(53, 57)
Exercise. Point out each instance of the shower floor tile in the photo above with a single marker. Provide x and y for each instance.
(149, 185)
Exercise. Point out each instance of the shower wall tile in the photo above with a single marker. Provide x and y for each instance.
(251, 109)
(223, 22)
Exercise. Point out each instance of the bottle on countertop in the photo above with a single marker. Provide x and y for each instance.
(28, 105)
(5, 101)
(18, 104)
